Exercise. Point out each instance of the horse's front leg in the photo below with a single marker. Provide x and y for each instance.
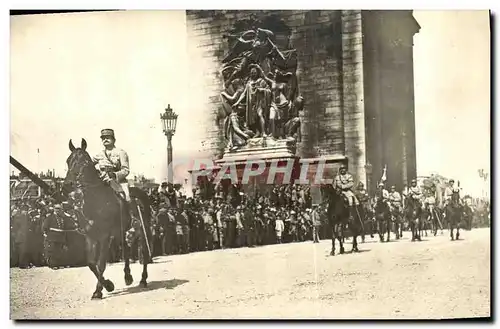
(97, 254)
(380, 229)
(340, 237)
(126, 255)
(355, 241)
(450, 226)
(334, 236)
(91, 252)
(103, 260)
(413, 227)
(146, 258)
(458, 231)
(388, 227)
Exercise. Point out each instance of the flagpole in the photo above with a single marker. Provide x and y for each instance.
(38, 160)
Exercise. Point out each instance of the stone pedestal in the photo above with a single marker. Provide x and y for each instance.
(263, 148)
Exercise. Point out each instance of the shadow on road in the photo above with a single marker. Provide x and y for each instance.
(347, 252)
(161, 261)
(153, 285)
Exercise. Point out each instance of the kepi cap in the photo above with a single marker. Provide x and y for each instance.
(107, 133)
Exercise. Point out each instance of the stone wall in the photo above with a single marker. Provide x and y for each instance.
(318, 39)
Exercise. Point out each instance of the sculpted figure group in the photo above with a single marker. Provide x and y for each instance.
(260, 96)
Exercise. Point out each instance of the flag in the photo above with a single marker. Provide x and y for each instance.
(384, 175)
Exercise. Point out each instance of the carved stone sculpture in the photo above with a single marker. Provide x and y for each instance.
(260, 96)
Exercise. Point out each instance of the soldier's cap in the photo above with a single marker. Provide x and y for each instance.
(413, 180)
(393, 187)
(380, 184)
(452, 181)
(107, 133)
(343, 166)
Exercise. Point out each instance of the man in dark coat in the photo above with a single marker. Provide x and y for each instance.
(54, 228)
(20, 229)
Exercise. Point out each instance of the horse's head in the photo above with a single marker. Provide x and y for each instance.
(81, 168)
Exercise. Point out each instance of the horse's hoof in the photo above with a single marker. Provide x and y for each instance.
(143, 284)
(96, 295)
(355, 250)
(342, 251)
(128, 279)
(108, 285)
(332, 253)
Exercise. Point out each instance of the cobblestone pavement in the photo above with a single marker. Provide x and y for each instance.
(435, 278)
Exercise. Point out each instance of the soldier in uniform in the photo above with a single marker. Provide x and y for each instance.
(55, 238)
(395, 199)
(345, 182)
(208, 227)
(113, 164)
(361, 193)
(316, 221)
(448, 192)
(20, 227)
(414, 191)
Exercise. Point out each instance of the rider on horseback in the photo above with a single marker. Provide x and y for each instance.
(361, 193)
(414, 191)
(113, 164)
(395, 199)
(345, 182)
(383, 193)
(448, 192)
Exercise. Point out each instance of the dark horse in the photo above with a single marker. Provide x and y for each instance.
(413, 214)
(341, 218)
(105, 214)
(382, 217)
(431, 215)
(454, 211)
(397, 219)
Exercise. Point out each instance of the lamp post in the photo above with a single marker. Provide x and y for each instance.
(169, 123)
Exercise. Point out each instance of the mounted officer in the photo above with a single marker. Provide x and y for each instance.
(113, 164)
(414, 191)
(395, 199)
(345, 182)
(448, 192)
(382, 193)
(362, 194)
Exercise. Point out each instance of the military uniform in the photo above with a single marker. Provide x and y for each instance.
(415, 192)
(395, 200)
(448, 192)
(209, 230)
(114, 161)
(345, 183)
(362, 194)
(316, 221)
(55, 239)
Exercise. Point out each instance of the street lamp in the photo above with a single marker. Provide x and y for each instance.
(169, 123)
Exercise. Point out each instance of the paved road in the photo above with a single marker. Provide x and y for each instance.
(435, 278)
